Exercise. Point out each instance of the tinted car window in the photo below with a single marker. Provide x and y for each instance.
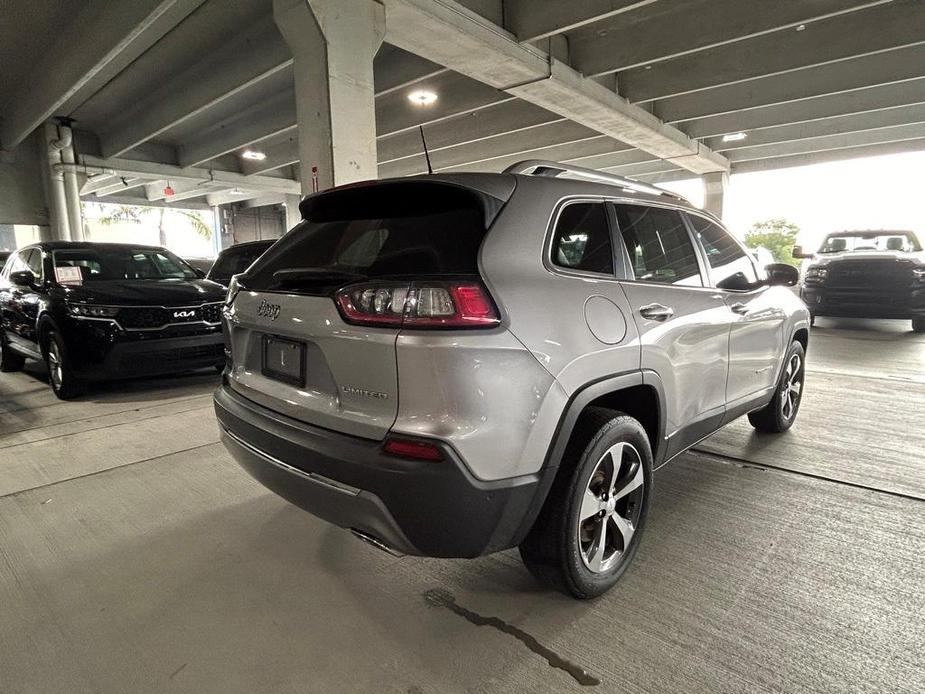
(234, 260)
(659, 247)
(17, 263)
(725, 256)
(380, 231)
(123, 263)
(582, 238)
(34, 261)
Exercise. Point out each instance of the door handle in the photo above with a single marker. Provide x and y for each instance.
(656, 312)
(739, 308)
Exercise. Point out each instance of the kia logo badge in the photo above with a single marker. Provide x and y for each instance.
(184, 314)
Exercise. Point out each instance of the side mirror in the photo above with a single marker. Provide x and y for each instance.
(22, 278)
(736, 282)
(782, 275)
(798, 252)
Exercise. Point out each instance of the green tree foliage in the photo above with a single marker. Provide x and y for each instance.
(778, 236)
(137, 214)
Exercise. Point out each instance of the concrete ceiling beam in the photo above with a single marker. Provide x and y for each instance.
(864, 32)
(529, 20)
(806, 159)
(239, 64)
(153, 171)
(396, 69)
(670, 30)
(447, 33)
(839, 125)
(601, 144)
(469, 127)
(230, 196)
(867, 101)
(278, 154)
(851, 75)
(899, 133)
(101, 40)
(270, 118)
(264, 201)
(561, 132)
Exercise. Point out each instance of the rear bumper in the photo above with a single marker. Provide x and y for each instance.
(415, 507)
(864, 303)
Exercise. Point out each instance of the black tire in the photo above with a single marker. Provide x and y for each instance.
(60, 374)
(555, 550)
(9, 360)
(780, 414)
(918, 325)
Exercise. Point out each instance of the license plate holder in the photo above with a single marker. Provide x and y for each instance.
(283, 360)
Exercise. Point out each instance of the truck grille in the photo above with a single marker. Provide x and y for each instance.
(154, 317)
(866, 274)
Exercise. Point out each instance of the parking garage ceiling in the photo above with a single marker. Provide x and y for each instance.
(177, 90)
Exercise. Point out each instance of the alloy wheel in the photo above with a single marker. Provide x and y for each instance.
(611, 507)
(792, 387)
(55, 370)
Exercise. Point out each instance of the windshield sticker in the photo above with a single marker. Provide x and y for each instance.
(68, 275)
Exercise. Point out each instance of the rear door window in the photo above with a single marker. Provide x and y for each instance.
(376, 232)
(659, 247)
(581, 240)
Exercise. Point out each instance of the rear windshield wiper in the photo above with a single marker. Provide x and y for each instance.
(303, 276)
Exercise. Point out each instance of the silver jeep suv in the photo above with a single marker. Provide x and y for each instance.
(452, 365)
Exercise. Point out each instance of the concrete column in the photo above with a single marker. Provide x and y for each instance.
(293, 216)
(57, 200)
(714, 190)
(71, 185)
(333, 43)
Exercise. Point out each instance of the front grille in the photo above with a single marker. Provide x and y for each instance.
(153, 317)
(163, 360)
(877, 274)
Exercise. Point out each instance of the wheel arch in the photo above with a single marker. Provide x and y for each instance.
(801, 335)
(638, 394)
(44, 326)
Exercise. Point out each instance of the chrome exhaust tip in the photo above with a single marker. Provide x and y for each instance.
(376, 542)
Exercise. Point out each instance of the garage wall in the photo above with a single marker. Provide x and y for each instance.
(242, 224)
(22, 191)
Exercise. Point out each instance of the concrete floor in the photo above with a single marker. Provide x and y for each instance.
(136, 557)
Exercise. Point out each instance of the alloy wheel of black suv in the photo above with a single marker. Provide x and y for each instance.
(102, 311)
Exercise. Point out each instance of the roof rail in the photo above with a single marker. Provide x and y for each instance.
(552, 169)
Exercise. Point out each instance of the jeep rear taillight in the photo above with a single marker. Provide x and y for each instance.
(423, 304)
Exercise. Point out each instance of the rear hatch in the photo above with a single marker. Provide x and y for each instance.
(313, 324)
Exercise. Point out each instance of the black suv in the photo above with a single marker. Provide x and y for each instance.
(98, 311)
(236, 259)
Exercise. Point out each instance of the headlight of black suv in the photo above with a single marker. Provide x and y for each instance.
(91, 311)
(919, 274)
(817, 273)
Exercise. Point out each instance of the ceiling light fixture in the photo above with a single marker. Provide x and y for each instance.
(801, 27)
(422, 97)
(236, 191)
(253, 154)
(734, 137)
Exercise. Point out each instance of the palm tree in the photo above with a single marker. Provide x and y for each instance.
(138, 213)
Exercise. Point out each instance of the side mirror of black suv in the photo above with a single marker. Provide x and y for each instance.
(22, 278)
(781, 274)
(798, 252)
